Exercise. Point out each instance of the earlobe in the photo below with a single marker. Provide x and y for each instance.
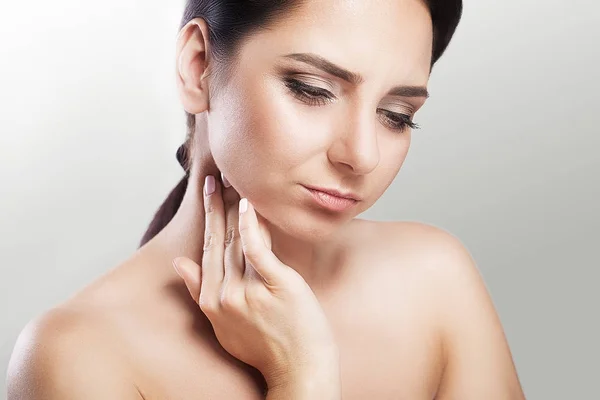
(192, 66)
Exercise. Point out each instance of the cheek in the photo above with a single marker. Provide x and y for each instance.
(257, 141)
(285, 132)
(393, 152)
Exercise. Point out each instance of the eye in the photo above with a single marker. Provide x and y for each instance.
(317, 96)
(396, 121)
(309, 94)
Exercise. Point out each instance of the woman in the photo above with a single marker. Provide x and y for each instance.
(300, 116)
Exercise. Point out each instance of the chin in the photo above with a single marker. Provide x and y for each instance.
(302, 222)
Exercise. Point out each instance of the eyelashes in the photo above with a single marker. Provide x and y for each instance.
(398, 121)
(315, 96)
(309, 94)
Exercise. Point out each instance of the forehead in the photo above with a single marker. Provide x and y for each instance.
(376, 38)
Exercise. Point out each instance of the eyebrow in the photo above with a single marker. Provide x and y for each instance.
(353, 77)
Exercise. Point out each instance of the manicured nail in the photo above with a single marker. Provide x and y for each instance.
(243, 205)
(209, 185)
(175, 261)
(225, 181)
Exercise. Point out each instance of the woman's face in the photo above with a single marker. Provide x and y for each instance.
(288, 119)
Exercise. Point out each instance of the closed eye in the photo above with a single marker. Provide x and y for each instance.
(309, 94)
(398, 122)
(315, 96)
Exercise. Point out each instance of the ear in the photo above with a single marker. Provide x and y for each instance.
(192, 66)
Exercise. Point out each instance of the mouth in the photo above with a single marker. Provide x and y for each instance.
(336, 193)
(332, 200)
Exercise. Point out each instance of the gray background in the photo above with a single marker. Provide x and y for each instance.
(507, 160)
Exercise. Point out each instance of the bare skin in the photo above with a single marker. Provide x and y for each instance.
(139, 326)
(408, 309)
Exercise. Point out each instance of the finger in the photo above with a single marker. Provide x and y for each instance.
(234, 256)
(214, 231)
(262, 223)
(251, 276)
(255, 250)
(191, 273)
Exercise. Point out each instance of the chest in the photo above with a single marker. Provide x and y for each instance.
(393, 355)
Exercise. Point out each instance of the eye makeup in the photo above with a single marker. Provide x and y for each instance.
(309, 94)
(319, 92)
(318, 96)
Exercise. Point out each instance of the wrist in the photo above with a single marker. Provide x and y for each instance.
(318, 377)
(321, 384)
(321, 391)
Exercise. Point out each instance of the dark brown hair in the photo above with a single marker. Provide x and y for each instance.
(229, 22)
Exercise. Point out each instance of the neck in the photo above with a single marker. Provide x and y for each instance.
(317, 262)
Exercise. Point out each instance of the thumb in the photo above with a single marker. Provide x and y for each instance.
(266, 235)
(191, 273)
(255, 245)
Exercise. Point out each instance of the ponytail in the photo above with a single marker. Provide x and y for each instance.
(169, 207)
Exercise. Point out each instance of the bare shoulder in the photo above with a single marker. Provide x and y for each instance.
(63, 354)
(477, 360)
(434, 261)
(420, 247)
(415, 245)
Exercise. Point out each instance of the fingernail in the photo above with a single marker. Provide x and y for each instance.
(209, 185)
(243, 205)
(225, 181)
(177, 267)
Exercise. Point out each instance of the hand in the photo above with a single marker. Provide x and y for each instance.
(262, 311)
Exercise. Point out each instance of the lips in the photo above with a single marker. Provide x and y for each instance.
(337, 193)
(331, 202)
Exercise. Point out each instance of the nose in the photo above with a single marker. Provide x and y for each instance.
(355, 146)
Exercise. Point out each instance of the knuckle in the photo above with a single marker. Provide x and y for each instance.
(209, 239)
(232, 299)
(230, 235)
(208, 306)
(209, 208)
